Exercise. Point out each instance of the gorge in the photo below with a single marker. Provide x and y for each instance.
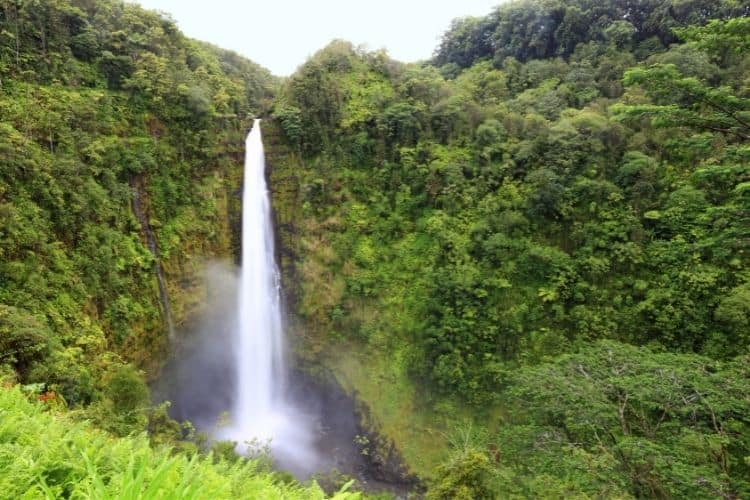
(518, 269)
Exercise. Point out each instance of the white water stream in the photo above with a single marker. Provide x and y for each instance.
(260, 377)
(261, 412)
(236, 360)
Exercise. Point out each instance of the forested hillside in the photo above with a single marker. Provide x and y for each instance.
(120, 147)
(527, 257)
(533, 250)
(104, 103)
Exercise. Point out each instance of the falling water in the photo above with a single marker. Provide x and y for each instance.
(260, 373)
(310, 427)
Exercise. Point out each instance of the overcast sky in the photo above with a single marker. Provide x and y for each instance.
(281, 34)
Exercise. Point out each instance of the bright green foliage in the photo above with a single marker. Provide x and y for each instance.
(722, 38)
(686, 101)
(469, 473)
(511, 215)
(613, 419)
(546, 229)
(24, 340)
(100, 101)
(104, 105)
(473, 223)
(43, 455)
(466, 478)
(540, 29)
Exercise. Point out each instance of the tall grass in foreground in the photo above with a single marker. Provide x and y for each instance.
(45, 455)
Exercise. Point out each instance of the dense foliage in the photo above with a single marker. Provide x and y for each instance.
(624, 421)
(529, 256)
(118, 141)
(540, 29)
(45, 455)
(101, 100)
(547, 186)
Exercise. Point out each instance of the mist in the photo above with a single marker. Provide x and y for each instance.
(316, 429)
(200, 381)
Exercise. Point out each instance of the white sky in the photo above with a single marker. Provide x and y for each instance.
(281, 34)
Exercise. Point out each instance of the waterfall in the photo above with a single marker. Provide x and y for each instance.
(260, 371)
(261, 413)
(235, 363)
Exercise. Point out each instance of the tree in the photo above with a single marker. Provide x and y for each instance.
(24, 339)
(687, 102)
(673, 422)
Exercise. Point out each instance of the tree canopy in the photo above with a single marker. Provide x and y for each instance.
(546, 227)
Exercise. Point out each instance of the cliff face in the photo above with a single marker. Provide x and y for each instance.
(313, 288)
(184, 268)
(120, 152)
(302, 245)
(297, 235)
(284, 171)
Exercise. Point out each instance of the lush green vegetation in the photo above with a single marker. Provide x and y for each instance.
(47, 455)
(488, 235)
(528, 256)
(113, 127)
(100, 100)
(542, 29)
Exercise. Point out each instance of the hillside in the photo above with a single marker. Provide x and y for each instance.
(100, 100)
(120, 153)
(529, 256)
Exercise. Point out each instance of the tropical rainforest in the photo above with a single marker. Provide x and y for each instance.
(527, 257)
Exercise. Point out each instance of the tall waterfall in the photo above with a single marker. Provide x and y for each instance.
(236, 362)
(261, 413)
(260, 371)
